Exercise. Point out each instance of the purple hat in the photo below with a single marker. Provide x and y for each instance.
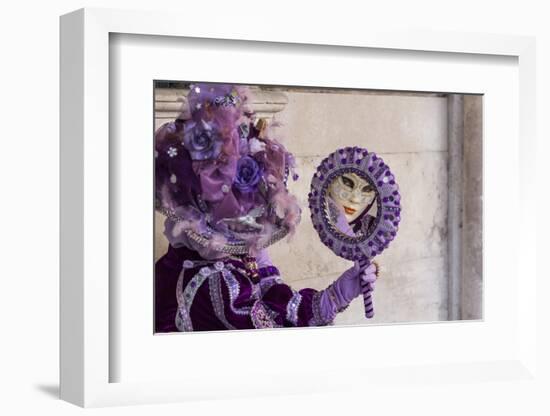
(219, 178)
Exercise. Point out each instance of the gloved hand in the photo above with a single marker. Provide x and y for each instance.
(343, 290)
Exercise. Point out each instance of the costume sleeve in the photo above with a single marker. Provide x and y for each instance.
(296, 308)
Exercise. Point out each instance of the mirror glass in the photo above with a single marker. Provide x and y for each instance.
(355, 203)
(350, 204)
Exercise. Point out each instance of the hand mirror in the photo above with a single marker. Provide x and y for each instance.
(355, 207)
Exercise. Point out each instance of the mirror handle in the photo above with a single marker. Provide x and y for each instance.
(366, 289)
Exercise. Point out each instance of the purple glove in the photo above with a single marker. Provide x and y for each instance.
(343, 290)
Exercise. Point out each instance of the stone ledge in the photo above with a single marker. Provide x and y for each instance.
(171, 103)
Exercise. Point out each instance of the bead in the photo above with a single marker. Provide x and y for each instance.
(205, 271)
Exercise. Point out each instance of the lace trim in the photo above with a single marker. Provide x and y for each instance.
(216, 297)
(317, 319)
(234, 290)
(185, 298)
(292, 308)
(262, 316)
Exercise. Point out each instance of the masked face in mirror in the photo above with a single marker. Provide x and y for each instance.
(352, 195)
(355, 203)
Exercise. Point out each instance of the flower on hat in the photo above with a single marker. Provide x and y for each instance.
(202, 140)
(172, 151)
(248, 174)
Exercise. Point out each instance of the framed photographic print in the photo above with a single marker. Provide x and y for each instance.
(309, 205)
(207, 194)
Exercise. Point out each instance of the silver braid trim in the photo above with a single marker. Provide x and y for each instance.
(236, 248)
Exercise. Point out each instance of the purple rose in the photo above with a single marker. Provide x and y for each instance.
(248, 175)
(202, 141)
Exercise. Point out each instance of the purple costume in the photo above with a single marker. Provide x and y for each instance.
(221, 182)
(228, 294)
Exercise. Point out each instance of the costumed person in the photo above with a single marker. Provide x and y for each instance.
(220, 180)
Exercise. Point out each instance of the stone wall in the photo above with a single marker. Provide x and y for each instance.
(410, 132)
(472, 259)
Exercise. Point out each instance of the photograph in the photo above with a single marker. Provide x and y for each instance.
(290, 206)
(275, 208)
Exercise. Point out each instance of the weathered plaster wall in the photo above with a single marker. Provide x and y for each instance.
(472, 260)
(409, 131)
(410, 134)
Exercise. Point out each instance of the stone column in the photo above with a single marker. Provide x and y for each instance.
(465, 207)
(455, 105)
(472, 250)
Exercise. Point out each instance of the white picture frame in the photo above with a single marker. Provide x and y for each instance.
(86, 292)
